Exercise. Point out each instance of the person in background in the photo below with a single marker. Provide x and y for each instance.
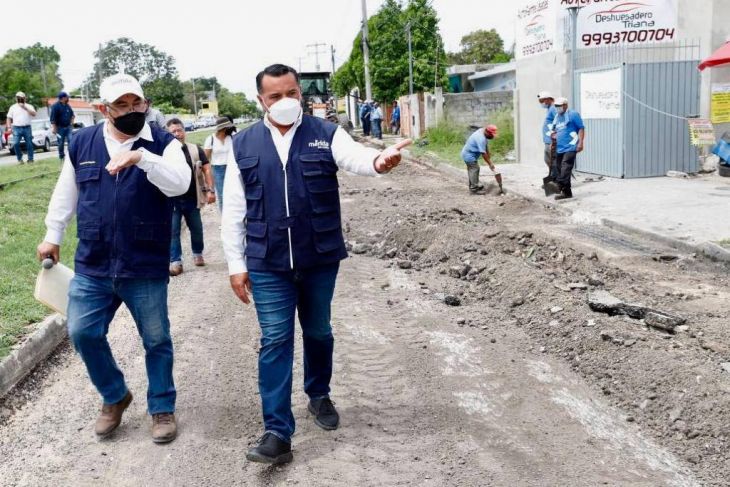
(19, 116)
(62, 119)
(395, 119)
(117, 179)
(477, 147)
(365, 109)
(199, 193)
(548, 103)
(282, 235)
(569, 132)
(376, 119)
(216, 147)
(154, 116)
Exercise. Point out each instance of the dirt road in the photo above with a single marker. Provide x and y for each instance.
(520, 384)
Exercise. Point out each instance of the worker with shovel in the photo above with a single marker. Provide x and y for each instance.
(477, 146)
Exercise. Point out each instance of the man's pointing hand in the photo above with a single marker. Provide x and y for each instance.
(390, 157)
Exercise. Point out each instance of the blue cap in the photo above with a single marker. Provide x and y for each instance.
(62, 94)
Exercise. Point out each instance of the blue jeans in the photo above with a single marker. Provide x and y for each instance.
(91, 307)
(277, 295)
(219, 175)
(182, 207)
(63, 134)
(20, 133)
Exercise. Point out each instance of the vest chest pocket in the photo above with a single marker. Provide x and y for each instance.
(249, 169)
(88, 181)
(254, 201)
(320, 177)
(256, 240)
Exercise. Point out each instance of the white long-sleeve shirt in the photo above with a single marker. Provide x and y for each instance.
(169, 172)
(348, 155)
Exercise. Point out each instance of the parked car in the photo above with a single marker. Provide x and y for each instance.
(43, 138)
(188, 125)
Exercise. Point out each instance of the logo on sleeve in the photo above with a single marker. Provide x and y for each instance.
(319, 144)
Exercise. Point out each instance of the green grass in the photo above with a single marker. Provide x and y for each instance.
(446, 140)
(22, 211)
(724, 243)
(198, 137)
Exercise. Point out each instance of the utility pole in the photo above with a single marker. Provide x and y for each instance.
(410, 60)
(98, 71)
(299, 58)
(366, 51)
(195, 99)
(436, 71)
(316, 47)
(43, 75)
(334, 96)
(573, 51)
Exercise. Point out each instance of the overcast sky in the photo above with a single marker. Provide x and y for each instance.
(229, 40)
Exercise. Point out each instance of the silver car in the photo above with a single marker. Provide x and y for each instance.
(43, 138)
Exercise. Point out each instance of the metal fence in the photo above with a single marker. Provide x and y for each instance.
(660, 88)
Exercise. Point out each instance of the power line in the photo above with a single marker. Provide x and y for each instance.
(316, 47)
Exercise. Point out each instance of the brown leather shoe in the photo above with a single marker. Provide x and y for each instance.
(176, 270)
(199, 261)
(111, 416)
(164, 427)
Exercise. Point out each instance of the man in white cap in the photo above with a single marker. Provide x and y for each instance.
(547, 102)
(19, 116)
(569, 132)
(117, 178)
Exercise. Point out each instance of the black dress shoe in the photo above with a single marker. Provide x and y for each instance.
(325, 414)
(564, 195)
(271, 449)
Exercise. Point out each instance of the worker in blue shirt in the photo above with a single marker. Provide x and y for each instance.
(569, 133)
(477, 146)
(548, 103)
(62, 119)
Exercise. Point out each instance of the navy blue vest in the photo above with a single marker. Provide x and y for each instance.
(123, 221)
(310, 181)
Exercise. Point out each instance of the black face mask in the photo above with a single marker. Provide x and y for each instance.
(130, 124)
(230, 131)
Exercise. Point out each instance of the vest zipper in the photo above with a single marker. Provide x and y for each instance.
(114, 227)
(288, 229)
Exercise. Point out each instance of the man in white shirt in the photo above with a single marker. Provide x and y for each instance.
(19, 116)
(117, 178)
(282, 236)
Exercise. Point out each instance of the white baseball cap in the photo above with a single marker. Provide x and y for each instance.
(20, 94)
(119, 85)
(543, 95)
(561, 100)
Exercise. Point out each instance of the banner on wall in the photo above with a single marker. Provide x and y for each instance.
(608, 22)
(536, 27)
(600, 94)
(720, 111)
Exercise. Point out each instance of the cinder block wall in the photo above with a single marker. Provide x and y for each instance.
(475, 108)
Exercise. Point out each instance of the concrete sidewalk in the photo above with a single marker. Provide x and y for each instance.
(691, 214)
(693, 210)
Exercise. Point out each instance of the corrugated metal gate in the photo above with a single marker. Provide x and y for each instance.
(660, 87)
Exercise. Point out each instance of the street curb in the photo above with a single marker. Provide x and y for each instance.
(708, 249)
(35, 349)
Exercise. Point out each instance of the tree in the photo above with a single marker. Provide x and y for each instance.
(480, 47)
(167, 90)
(142, 61)
(235, 104)
(32, 70)
(389, 52)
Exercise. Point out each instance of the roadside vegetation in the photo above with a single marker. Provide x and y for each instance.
(23, 208)
(447, 139)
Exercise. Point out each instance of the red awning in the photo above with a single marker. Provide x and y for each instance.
(718, 58)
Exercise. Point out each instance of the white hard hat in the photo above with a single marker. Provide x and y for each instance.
(119, 85)
(543, 95)
(561, 100)
(20, 94)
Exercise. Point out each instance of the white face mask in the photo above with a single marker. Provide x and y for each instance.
(285, 111)
(561, 109)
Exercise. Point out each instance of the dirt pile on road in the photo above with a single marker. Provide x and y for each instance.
(466, 249)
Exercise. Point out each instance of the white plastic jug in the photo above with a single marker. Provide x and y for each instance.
(51, 286)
